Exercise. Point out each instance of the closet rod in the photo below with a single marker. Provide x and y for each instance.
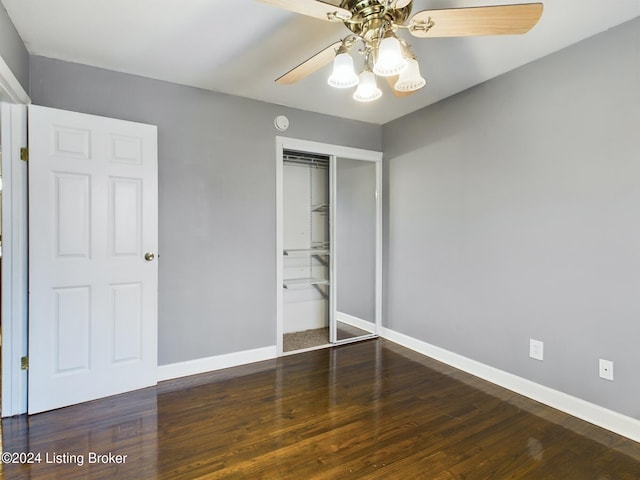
(304, 163)
(291, 157)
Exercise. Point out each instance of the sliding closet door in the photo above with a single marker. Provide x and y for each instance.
(355, 253)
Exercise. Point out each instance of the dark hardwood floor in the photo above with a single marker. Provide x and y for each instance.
(365, 410)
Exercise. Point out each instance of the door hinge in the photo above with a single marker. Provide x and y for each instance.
(24, 154)
(24, 363)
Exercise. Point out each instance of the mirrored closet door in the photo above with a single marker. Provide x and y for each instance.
(354, 252)
(329, 246)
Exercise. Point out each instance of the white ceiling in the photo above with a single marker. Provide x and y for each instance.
(240, 46)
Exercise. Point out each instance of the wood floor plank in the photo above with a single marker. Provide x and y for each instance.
(370, 410)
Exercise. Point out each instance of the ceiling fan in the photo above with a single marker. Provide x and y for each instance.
(374, 24)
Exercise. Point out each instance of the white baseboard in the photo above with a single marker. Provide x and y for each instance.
(203, 365)
(616, 422)
(355, 322)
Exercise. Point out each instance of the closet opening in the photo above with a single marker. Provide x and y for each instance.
(306, 251)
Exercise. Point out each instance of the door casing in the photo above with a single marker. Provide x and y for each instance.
(13, 100)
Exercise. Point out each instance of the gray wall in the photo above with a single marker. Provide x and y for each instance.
(12, 50)
(513, 212)
(216, 197)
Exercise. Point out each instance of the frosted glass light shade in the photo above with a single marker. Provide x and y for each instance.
(343, 76)
(410, 79)
(390, 60)
(367, 88)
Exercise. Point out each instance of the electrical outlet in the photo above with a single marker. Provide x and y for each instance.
(536, 349)
(606, 369)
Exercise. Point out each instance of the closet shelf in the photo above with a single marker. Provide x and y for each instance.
(303, 282)
(311, 251)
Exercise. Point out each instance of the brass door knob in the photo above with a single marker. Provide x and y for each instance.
(149, 256)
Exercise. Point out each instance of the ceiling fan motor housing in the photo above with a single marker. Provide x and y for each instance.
(370, 15)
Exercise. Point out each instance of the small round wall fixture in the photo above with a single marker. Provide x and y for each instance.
(281, 122)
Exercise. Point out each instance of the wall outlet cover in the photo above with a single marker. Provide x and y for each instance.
(606, 369)
(536, 349)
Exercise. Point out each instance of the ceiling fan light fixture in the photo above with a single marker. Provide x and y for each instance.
(344, 75)
(411, 79)
(390, 60)
(375, 24)
(367, 90)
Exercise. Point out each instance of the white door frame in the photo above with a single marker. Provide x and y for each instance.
(15, 241)
(286, 143)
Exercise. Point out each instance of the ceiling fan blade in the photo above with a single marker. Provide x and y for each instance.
(391, 81)
(319, 60)
(464, 22)
(312, 8)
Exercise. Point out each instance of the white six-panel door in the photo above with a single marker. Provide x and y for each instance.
(92, 293)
